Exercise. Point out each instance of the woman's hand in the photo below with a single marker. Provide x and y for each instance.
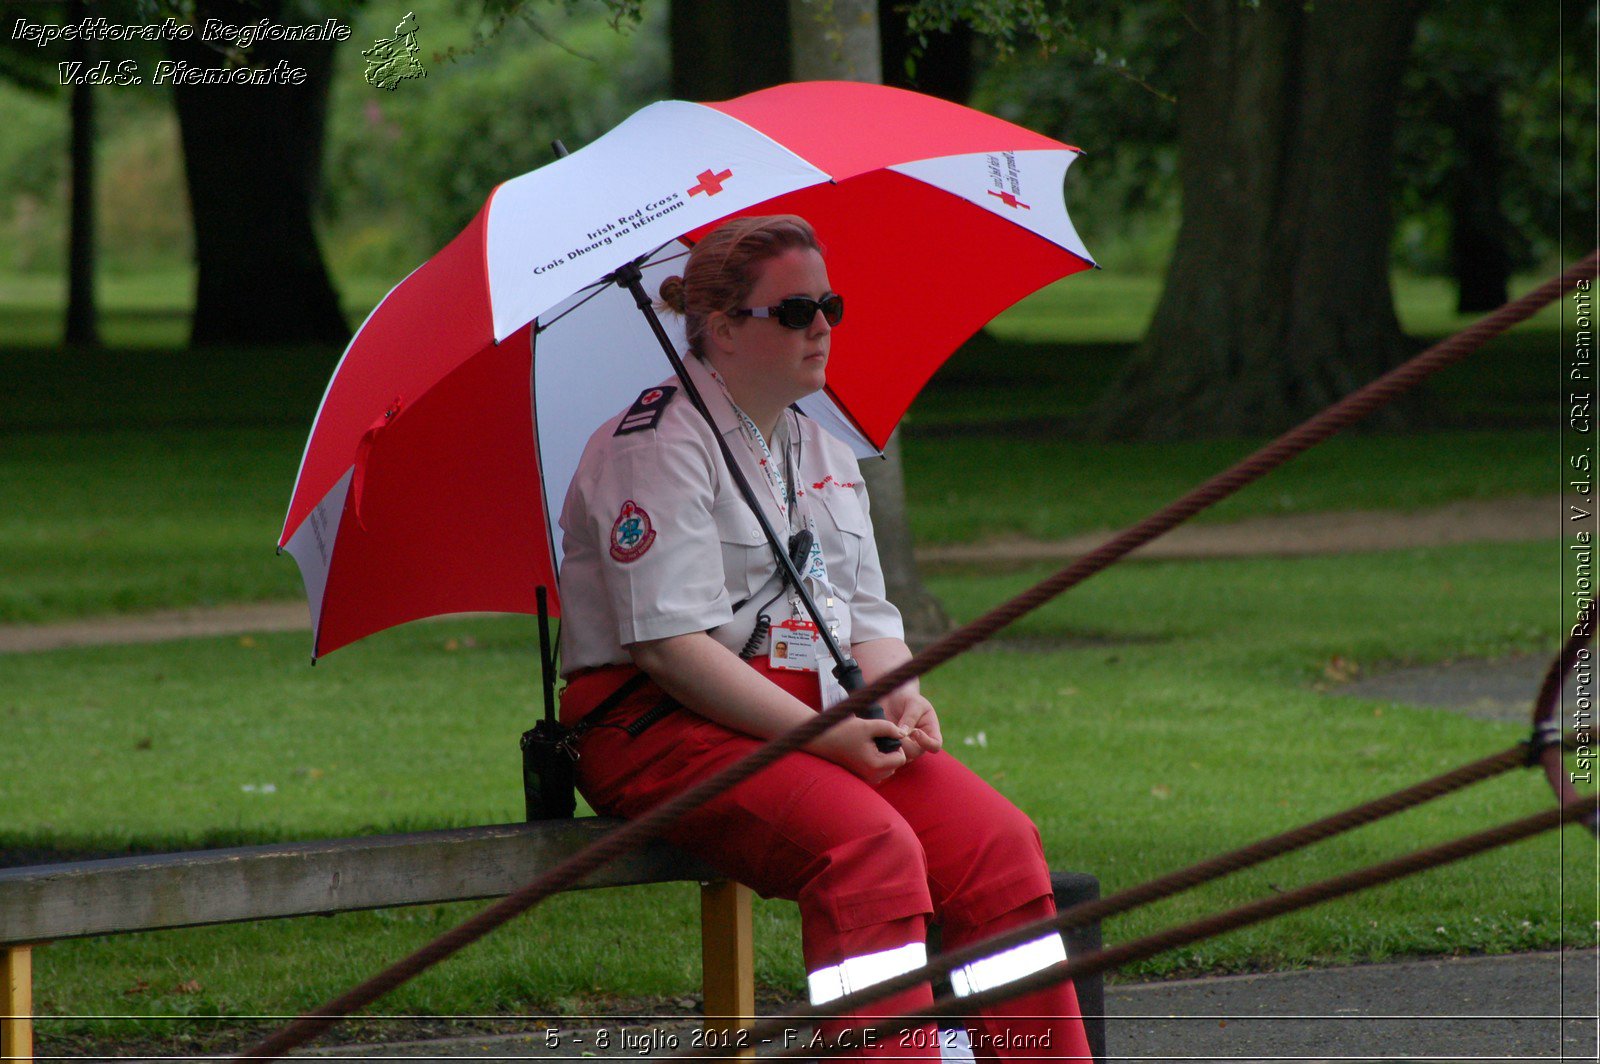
(919, 725)
(849, 744)
(904, 705)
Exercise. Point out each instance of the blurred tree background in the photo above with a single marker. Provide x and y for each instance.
(1492, 127)
(402, 170)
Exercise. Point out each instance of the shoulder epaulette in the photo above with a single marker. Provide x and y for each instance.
(645, 413)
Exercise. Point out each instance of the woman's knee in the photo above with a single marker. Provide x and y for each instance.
(874, 844)
(874, 871)
(1001, 868)
(1013, 836)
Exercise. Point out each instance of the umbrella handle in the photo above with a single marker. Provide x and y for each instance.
(848, 673)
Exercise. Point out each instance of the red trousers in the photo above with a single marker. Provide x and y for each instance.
(868, 865)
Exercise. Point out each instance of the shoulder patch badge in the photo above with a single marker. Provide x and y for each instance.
(645, 413)
(631, 533)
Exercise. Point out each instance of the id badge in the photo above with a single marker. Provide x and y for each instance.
(794, 646)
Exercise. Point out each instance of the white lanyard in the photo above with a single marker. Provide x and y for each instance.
(777, 482)
(816, 568)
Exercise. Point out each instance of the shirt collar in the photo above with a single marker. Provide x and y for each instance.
(715, 399)
(722, 411)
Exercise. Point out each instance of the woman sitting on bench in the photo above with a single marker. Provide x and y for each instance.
(671, 597)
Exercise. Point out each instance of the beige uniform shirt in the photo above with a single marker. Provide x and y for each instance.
(657, 540)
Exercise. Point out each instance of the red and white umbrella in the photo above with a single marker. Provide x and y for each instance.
(444, 444)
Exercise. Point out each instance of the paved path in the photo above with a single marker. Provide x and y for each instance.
(1512, 519)
(1530, 1006)
(1502, 689)
(1527, 1006)
(1452, 1009)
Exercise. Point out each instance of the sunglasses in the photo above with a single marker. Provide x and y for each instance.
(798, 312)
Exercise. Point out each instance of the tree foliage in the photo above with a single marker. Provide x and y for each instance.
(407, 170)
(1113, 93)
(1536, 65)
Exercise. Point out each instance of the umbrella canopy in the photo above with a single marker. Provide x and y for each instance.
(452, 425)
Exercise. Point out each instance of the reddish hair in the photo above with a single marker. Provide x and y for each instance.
(725, 265)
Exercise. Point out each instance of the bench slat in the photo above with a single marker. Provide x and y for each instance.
(42, 903)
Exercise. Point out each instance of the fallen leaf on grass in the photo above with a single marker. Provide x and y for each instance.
(188, 986)
(1341, 669)
(139, 987)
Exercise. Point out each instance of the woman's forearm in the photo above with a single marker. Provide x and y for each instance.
(700, 672)
(879, 656)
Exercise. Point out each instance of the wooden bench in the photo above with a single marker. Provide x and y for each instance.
(46, 903)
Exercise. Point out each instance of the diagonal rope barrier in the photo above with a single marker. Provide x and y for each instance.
(1250, 913)
(1545, 745)
(1340, 415)
(1546, 750)
(1152, 890)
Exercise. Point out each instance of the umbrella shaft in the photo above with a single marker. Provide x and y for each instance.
(845, 669)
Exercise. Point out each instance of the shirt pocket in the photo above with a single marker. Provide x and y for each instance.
(849, 521)
(746, 557)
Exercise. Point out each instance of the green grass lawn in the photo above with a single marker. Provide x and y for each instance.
(1095, 307)
(1158, 714)
(122, 521)
(145, 476)
(145, 309)
(1099, 306)
(970, 488)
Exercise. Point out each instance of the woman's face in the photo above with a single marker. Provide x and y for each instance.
(765, 362)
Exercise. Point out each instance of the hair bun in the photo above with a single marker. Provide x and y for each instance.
(673, 295)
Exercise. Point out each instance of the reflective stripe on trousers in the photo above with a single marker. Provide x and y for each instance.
(986, 973)
(955, 1046)
(858, 973)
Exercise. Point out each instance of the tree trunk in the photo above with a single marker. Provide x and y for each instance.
(838, 40)
(1277, 300)
(726, 48)
(82, 325)
(252, 158)
(1479, 249)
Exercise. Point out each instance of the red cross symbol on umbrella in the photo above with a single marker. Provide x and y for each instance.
(1009, 200)
(710, 182)
(448, 505)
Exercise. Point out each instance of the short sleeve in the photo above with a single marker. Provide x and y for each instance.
(659, 556)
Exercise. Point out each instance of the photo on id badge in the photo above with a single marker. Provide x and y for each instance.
(794, 646)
